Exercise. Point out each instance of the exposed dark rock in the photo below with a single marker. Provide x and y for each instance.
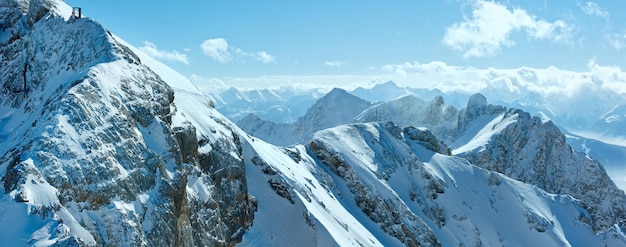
(281, 189)
(427, 139)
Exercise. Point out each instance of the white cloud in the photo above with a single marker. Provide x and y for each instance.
(219, 50)
(609, 77)
(591, 8)
(518, 82)
(151, 50)
(200, 79)
(491, 25)
(264, 57)
(334, 63)
(617, 41)
(207, 84)
(504, 84)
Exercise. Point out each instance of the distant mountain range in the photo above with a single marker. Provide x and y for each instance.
(594, 125)
(101, 145)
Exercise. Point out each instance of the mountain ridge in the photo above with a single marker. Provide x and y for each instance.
(336, 107)
(111, 147)
(492, 137)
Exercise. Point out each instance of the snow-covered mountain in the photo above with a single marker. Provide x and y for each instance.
(454, 198)
(97, 149)
(527, 149)
(499, 139)
(341, 107)
(389, 91)
(612, 124)
(287, 103)
(281, 105)
(594, 123)
(335, 108)
(377, 184)
(103, 146)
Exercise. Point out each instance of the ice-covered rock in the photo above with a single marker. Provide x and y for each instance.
(103, 146)
(529, 150)
(96, 148)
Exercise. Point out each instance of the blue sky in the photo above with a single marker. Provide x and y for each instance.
(249, 43)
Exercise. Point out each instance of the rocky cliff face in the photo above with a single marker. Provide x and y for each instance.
(508, 141)
(92, 149)
(425, 198)
(103, 146)
(529, 150)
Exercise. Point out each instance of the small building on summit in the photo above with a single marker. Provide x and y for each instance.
(77, 12)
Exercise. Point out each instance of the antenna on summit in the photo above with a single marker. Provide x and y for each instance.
(77, 12)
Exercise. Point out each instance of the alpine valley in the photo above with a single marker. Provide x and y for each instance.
(101, 145)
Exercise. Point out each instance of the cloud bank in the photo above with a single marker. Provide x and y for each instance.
(491, 25)
(548, 82)
(523, 80)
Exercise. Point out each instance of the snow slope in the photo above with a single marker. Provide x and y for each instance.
(96, 152)
(445, 196)
(104, 146)
(498, 139)
(595, 117)
(335, 108)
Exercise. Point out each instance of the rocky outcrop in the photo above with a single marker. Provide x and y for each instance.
(393, 218)
(536, 152)
(388, 147)
(427, 139)
(92, 131)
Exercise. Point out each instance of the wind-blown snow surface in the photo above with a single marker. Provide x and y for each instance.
(594, 120)
(102, 145)
(499, 139)
(395, 184)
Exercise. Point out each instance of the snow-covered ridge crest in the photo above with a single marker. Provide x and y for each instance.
(494, 137)
(109, 147)
(335, 108)
(53, 51)
(96, 152)
(441, 199)
(34, 9)
(525, 148)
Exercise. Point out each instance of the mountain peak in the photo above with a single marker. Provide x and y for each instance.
(387, 85)
(36, 9)
(336, 92)
(381, 92)
(339, 95)
(336, 99)
(476, 101)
